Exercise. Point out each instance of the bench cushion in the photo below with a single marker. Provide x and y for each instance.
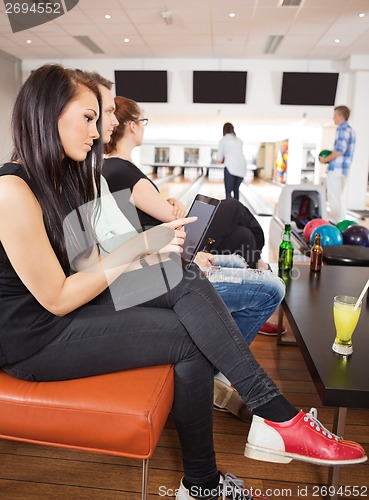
(121, 413)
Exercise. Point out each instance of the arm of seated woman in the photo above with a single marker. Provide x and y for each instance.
(149, 200)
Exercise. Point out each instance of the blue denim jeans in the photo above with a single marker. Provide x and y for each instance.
(251, 295)
(232, 184)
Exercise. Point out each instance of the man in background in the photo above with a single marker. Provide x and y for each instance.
(339, 162)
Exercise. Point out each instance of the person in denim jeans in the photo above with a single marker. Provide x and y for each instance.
(230, 153)
(250, 296)
(152, 209)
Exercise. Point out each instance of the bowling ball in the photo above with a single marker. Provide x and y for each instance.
(325, 153)
(311, 225)
(356, 235)
(329, 235)
(344, 224)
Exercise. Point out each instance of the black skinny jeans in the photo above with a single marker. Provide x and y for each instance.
(188, 326)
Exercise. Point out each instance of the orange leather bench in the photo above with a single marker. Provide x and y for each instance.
(120, 414)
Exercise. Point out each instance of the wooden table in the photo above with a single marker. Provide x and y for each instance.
(342, 382)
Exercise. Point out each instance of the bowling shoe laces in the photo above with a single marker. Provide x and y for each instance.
(301, 438)
(229, 488)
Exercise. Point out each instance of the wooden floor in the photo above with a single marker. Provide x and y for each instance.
(30, 472)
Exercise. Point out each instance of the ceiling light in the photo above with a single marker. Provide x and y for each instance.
(167, 16)
(272, 43)
(28, 41)
(337, 40)
(89, 44)
(126, 40)
(108, 16)
(361, 14)
(232, 14)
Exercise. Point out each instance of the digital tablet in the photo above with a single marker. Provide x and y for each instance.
(204, 208)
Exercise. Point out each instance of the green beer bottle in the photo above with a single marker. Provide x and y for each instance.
(285, 259)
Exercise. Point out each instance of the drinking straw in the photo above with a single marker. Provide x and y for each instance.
(361, 295)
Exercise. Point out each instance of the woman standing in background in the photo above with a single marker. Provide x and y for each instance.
(230, 153)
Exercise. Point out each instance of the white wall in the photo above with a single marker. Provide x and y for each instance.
(180, 122)
(262, 118)
(10, 81)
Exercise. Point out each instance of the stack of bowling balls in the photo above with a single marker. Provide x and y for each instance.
(353, 233)
(346, 232)
(329, 234)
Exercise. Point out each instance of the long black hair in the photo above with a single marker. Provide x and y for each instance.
(59, 183)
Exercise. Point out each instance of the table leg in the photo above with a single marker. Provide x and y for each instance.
(334, 472)
(280, 340)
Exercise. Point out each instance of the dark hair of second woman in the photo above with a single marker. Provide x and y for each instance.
(228, 128)
(126, 111)
(38, 148)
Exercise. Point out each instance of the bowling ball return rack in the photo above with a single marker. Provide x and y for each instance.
(297, 204)
(346, 255)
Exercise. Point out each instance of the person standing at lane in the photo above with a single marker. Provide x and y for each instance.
(231, 155)
(339, 162)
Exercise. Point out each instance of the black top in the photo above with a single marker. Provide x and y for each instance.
(25, 326)
(123, 174)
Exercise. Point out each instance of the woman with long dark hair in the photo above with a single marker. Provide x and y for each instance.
(56, 326)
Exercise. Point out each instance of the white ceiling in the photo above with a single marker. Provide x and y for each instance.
(200, 28)
(203, 29)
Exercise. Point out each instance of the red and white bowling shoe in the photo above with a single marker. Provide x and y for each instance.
(301, 438)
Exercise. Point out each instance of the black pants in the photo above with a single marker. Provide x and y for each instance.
(189, 326)
(236, 230)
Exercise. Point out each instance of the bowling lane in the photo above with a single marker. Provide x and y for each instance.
(176, 186)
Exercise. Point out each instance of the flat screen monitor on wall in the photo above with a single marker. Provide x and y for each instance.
(142, 86)
(309, 89)
(219, 87)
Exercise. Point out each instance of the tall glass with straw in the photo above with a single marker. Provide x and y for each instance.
(346, 312)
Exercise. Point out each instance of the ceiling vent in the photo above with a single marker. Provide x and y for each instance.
(89, 44)
(291, 3)
(272, 44)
